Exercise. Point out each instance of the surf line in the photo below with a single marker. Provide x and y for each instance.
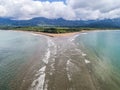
(86, 61)
(38, 84)
(74, 37)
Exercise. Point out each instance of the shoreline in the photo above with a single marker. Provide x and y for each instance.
(51, 34)
(65, 34)
(61, 40)
(59, 34)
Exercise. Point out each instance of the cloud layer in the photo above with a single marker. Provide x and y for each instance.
(71, 10)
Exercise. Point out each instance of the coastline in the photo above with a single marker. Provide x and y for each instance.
(59, 34)
(51, 34)
(62, 41)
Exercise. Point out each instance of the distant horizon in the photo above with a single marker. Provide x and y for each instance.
(10, 18)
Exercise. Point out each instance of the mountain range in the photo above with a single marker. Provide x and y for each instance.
(40, 21)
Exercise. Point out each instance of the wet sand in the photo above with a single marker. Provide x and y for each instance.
(57, 35)
(63, 67)
(66, 68)
(52, 34)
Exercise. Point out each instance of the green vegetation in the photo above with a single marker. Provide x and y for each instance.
(44, 29)
(61, 30)
(52, 29)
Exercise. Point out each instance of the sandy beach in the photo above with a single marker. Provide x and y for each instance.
(63, 65)
(46, 61)
(60, 34)
(65, 68)
(57, 35)
(53, 34)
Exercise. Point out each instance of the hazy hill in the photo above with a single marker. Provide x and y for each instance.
(106, 23)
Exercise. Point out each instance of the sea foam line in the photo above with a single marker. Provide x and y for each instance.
(83, 54)
(74, 37)
(52, 45)
(35, 34)
(84, 33)
(67, 69)
(38, 84)
(87, 61)
(47, 55)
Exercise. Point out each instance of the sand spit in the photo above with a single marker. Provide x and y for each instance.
(66, 68)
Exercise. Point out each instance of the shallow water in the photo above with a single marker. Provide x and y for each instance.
(87, 61)
(19, 56)
(103, 51)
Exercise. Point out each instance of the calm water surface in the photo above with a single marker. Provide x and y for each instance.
(19, 56)
(103, 51)
(87, 61)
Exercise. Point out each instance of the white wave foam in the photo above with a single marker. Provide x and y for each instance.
(50, 42)
(42, 69)
(73, 38)
(87, 61)
(52, 45)
(67, 69)
(84, 33)
(47, 56)
(35, 34)
(78, 50)
(38, 84)
(83, 54)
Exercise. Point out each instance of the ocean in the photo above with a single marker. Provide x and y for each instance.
(103, 52)
(85, 61)
(20, 57)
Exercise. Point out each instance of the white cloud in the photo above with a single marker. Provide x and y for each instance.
(2, 11)
(94, 9)
(72, 10)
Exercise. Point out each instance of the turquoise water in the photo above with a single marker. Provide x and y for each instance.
(17, 51)
(103, 50)
(23, 54)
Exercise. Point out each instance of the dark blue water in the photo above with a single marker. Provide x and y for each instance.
(103, 50)
(20, 55)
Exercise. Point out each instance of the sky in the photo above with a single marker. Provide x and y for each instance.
(66, 9)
